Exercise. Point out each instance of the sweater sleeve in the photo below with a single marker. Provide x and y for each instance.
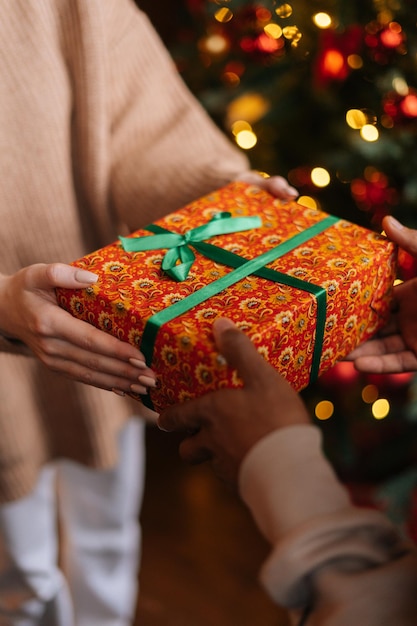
(166, 149)
(14, 346)
(341, 562)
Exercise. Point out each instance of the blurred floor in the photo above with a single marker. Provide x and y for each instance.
(201, 550)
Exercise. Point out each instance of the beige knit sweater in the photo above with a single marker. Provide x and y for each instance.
(98, 134)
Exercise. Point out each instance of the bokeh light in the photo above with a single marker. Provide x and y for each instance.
(380, 409)
(324, 410)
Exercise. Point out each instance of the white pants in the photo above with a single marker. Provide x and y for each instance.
(99, 544)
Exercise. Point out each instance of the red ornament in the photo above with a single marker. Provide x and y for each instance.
(383, 41)
(332, 61)
(340, 375)
(374, 194)
(407, 265)
(390, 382)
(402, 109)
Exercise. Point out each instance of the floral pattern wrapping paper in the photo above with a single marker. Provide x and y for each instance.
(355, 266)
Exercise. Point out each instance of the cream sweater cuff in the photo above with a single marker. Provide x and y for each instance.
(286, 481)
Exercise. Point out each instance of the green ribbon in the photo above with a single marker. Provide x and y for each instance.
(179, 244)
(244, 268)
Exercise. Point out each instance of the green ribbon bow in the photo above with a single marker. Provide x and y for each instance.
(179, 258)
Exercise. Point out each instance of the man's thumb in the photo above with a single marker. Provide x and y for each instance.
(238, 350)
(405, 237)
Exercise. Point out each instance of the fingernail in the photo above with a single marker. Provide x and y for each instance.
(292, 192)
(147, 381)
(139, 389)
(394, 222)
(118, 392)
(138, 363)
(83, 276)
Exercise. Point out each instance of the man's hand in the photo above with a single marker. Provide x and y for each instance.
(395, 350)
(223, 425)
(29, 312)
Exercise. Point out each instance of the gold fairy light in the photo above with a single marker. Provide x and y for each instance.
(239, 126)
(320, 177)
(307, 201)
(246, 139)
(284, 10)
(293, 34)
(223, 15)
(370, 394)
(214, 44)
(273, 30)
(380, 409)
(324, 410)
(354, 61)
(364, 121)
(356, 118)
(322, 20)
(387, 121)
(369, 133)
(250, 107)
(231, 79)
(400, 85)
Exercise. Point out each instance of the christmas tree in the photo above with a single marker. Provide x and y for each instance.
(324, 92)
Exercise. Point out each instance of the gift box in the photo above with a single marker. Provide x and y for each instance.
(306, 286)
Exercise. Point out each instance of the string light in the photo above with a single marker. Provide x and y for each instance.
(369, 132)
(273, 30)
(380, 409)
(284, 11)
(320, 177)
(223, 15)
(239, 126)
(246, 139)
(262, 34)
(356, 118)
(400, 85)
(322, 20)
(392, 36)
(293, 34)
(307, 201)
(333, 63)
(250, 107)
(354, 61)
(370, 394)
(324, 410)
(215, 45)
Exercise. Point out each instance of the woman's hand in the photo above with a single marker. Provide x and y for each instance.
(223, 425)
(275, 185)
(29, 312)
